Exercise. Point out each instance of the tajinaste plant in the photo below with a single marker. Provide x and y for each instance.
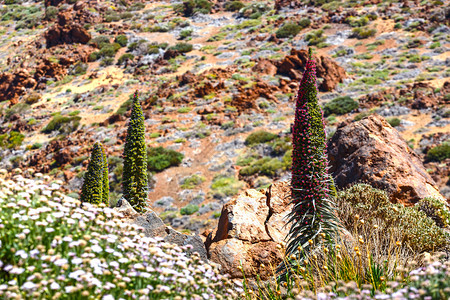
(313, 190)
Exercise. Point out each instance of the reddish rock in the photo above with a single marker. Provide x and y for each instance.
(186, 78)
(265, 67)
(49, 69)
(12, 86)
(372, 151)
(279, 4)
(66, 31)
(293, 66)
(246, 97)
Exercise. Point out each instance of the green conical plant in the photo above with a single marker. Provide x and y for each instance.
(92, 190)
(105, 179)
(135, 180)
(312, 188)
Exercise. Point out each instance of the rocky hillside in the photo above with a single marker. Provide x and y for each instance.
(217, 81)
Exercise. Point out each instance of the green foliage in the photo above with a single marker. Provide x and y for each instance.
(340, 106)
(184, 34)
(63, 124)
(189, 209)
(122, 40)
(436, 210)
(160, 159)
(94, 179)
(11, 140)
(182, 47)
(135, 177)
(234, 5)
(189, 7)
(192, 181)
(100, 40)
(259, 137)
(223, 186)
(363, 32)
(394, 122)
(264, 166)
(357, 22)
(125, 57)
(290, 29)
(17, 109)
(105, 178)
(315, 37)
(439, 153)
(417, 230)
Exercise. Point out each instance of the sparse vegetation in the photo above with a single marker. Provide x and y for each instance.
(439, 153)
(340, 106)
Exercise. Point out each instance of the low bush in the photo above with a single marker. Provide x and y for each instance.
(63, 124)
(315, 37)
(436, 210)
(223, 186)
(234, 5)
(363, 32)
(394, 122)
(264, 166)
(192, 181)
(125, 57)
(122, 40)
(416, 230)
(259, 137)
(189, 209)
(289, 29)
(340, 106)
(11, 140)
(189, 7)
(159, 158)
(182, 47)
(439, 153)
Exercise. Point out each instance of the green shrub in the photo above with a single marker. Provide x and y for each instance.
(125, 57)
(289, 29)
(340, 106)
(223, 186)
(394, 122)
(305, 22)
(63, 124)
(122, 40)
(436, 210)
(363, 32)
(234, 5)
(357, 22)
(264, 166)
(439, 153)
(259, 137)
(160, 159)
(182, 47)
(192, 181)
(189, 209)
(189, 7)
(417, 230)
(17, 109)
(11, 140)
(98, 41)
(315, 37)
(184, 34)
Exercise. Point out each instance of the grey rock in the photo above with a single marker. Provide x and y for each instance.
(393, 111)
(163, 202)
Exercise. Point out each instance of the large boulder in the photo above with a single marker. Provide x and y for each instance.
(66, 31)
(250, 232)
(329, 71)
(372, 151)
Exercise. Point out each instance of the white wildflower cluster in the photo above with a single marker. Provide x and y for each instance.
(51, 247)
